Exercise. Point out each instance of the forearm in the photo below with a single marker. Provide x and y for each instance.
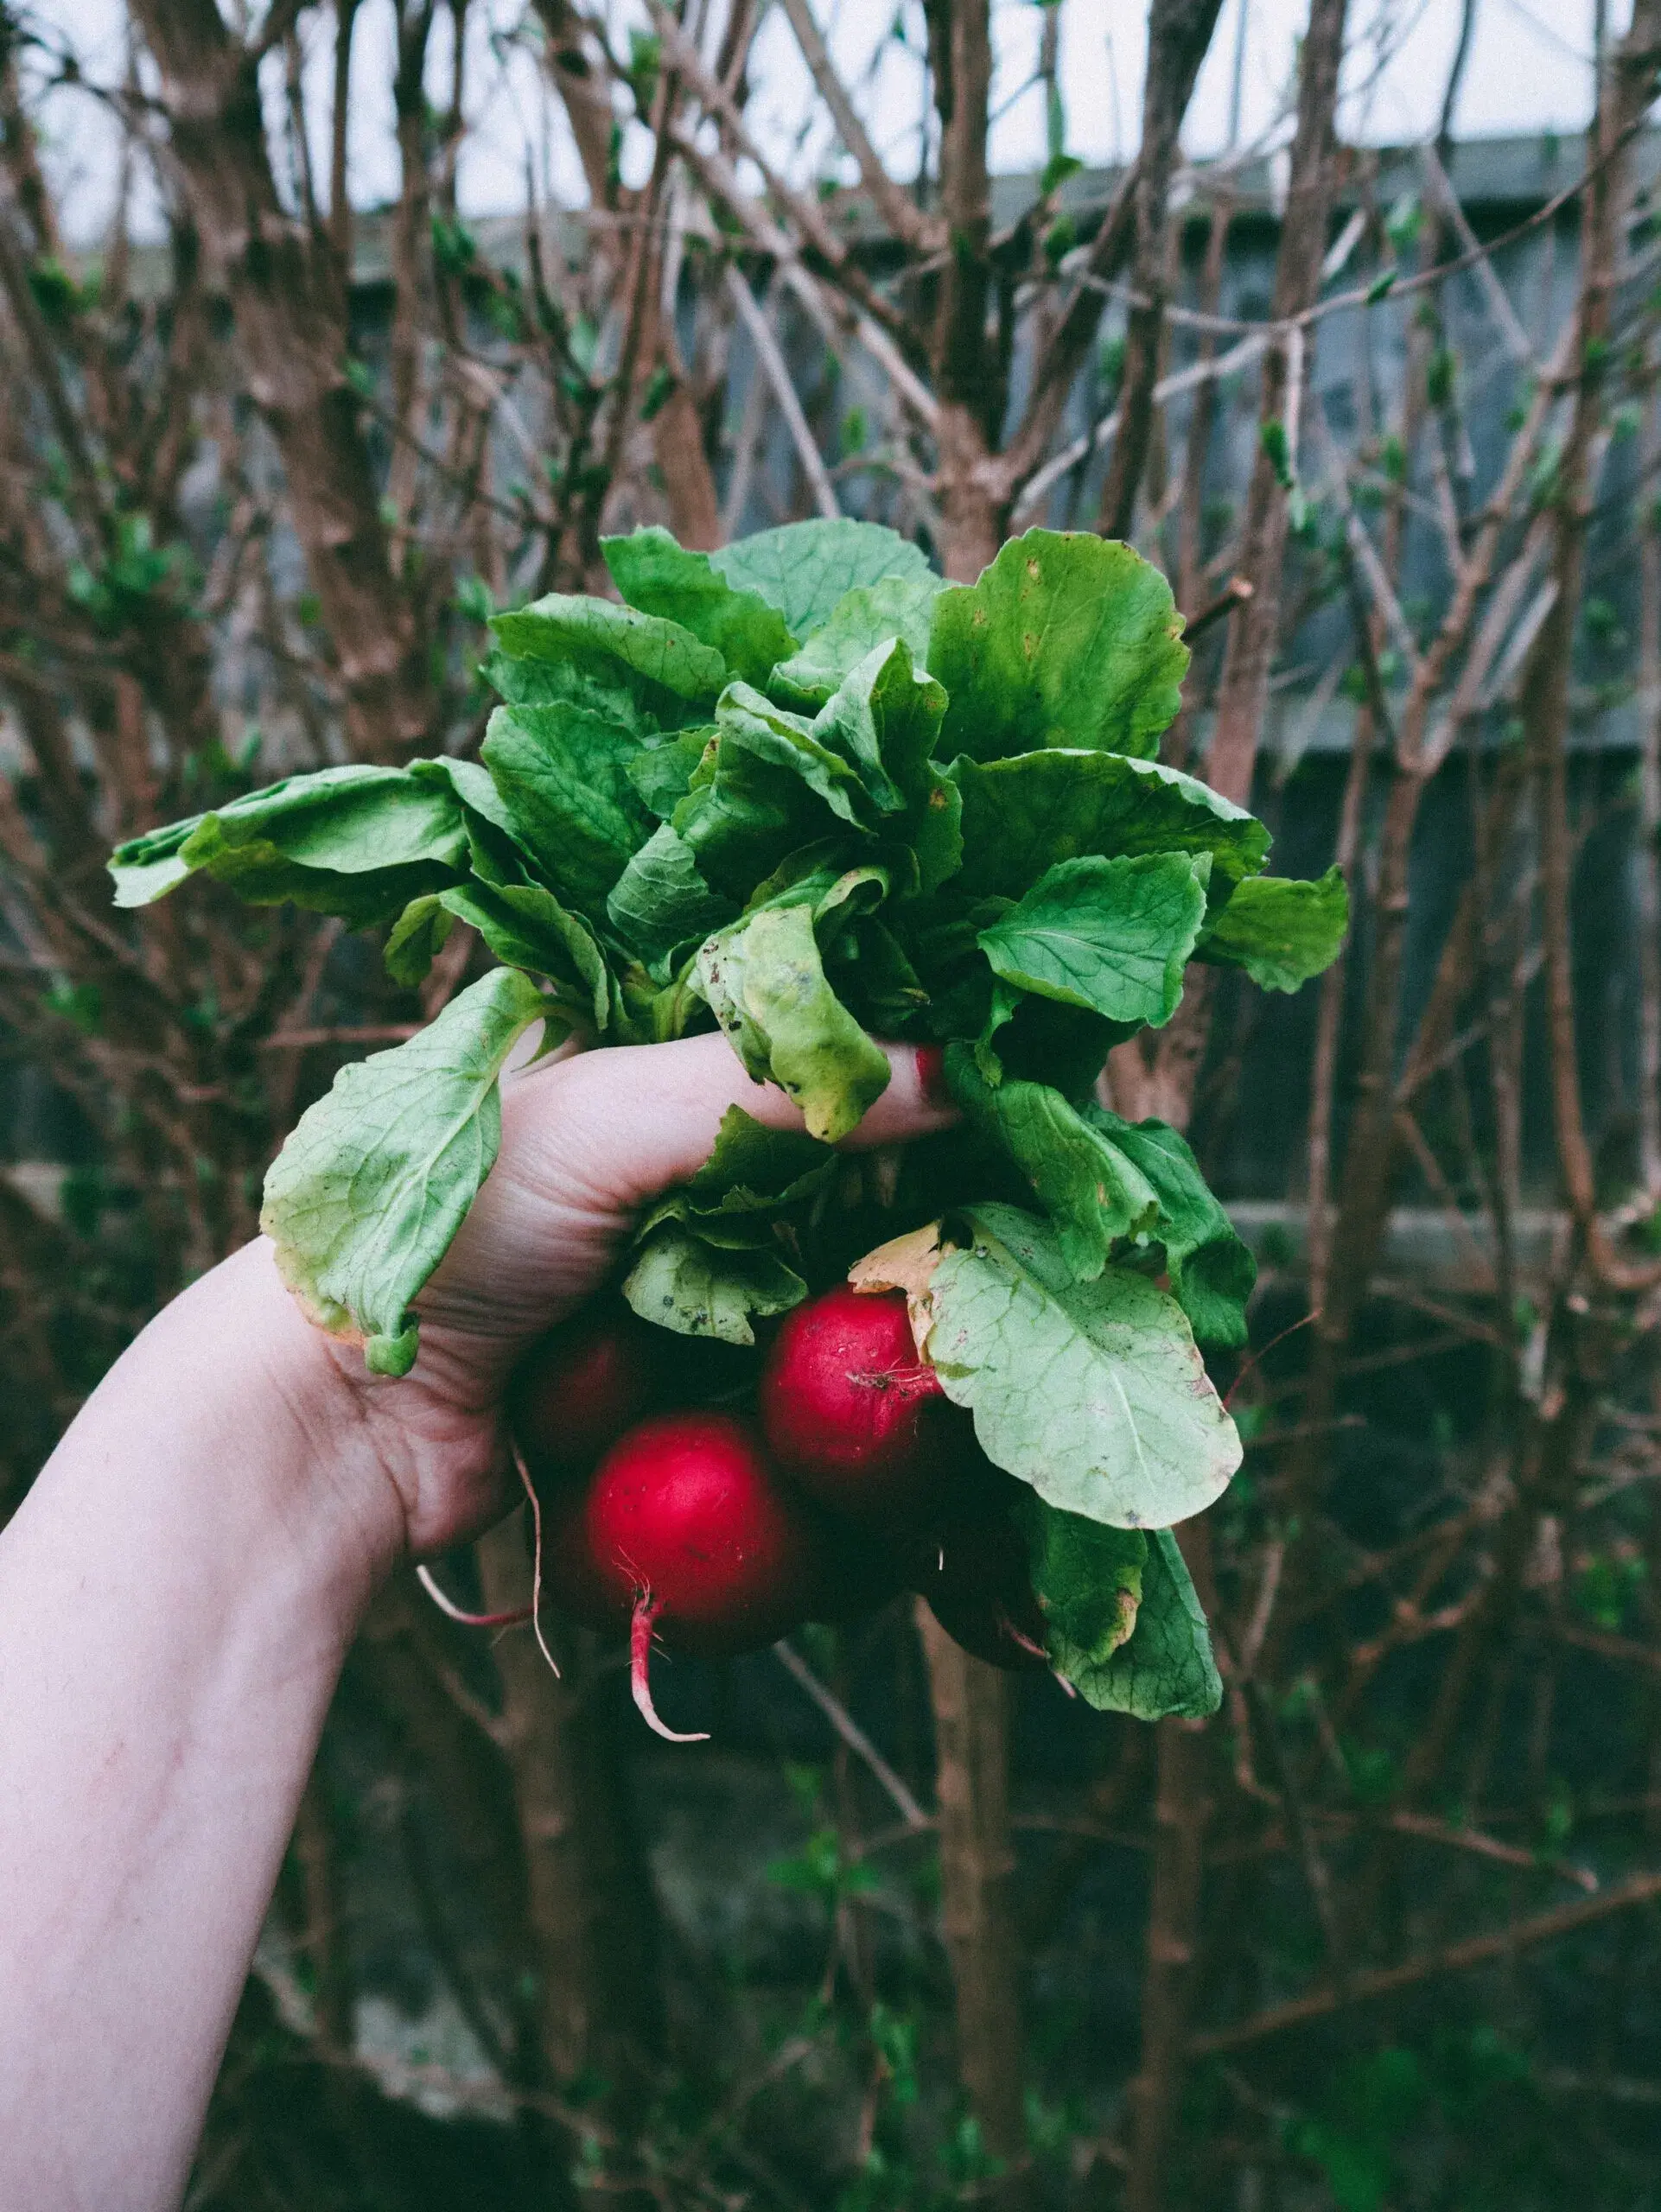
(176, 1596)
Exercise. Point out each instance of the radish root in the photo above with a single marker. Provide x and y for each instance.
(534, 1615)
(428, 1582)
(646, 1610)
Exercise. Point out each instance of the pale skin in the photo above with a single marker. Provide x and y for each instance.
(179, 1589)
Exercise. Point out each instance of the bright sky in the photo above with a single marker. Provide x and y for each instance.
(1529, 71)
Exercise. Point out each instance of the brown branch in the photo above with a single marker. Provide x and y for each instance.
(1179, 35)
(292, 335)
(898, 210)
(1453, 1958)
(1252, 640)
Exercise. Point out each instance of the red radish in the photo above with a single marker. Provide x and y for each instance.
(973, 1573)
(848, 1409)
(683, 1530)
(580, 1388)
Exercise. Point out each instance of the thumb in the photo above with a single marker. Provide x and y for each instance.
(632, 1120)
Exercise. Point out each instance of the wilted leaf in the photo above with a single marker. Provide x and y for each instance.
(766, 986)
(1165, 1668)
(685, 1284)
(1094, 1392)
(357, 842)
(363, 1200)
(1088, 1582)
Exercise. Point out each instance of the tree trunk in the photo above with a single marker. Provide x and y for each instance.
(590, 1912)
(970, 1703)
(1182, 1810)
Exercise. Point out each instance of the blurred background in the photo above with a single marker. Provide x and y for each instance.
(327, 329)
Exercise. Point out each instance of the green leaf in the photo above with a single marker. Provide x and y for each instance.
(882, 719)
(763, 983)
(1021, 815)
(1282, 929)
(862, 620)
(754, 1167)
(1094, 1392)
(657, 660)
(364, 1198)
(1112, 936)
(662, 773)
(1087, 1579)
(1067, 639)
(609, 689)
(769, 788)
(936, 833)
(805, 568)
(358, 841)
(1166, 1669)
(1095, 1196)
(660, 902)
(525, 926)
(562, 774)
(682, 1283)
(662, 577)
(416, 938)
(1211, 1270)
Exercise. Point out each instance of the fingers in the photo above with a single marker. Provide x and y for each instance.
(651, 1114)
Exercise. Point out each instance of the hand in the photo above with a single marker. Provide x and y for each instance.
(587, 1141)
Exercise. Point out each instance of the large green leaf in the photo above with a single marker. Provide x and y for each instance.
(805, 568)
(1282, 929)
(605, 687)
(1093, 1392)
(1021, 815)
(1067, 639)
(662, 577)
(363, 1200)
(1087, 1579)
(358, 841)
(765, 985)
(1094, 1195)
(615, 645)
(1112, 936)
(684, 1283)
(862, 620)
(660, 902)
(1211, 1270)
(562, 774)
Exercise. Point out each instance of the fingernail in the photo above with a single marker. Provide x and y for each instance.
(930, 1074)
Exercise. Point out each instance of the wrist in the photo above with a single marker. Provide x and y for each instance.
(301, 1451)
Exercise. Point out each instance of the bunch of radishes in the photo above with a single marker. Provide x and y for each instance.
(715, 1531)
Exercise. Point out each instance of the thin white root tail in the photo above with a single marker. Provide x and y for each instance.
(646, 1610)
(428, 1582)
